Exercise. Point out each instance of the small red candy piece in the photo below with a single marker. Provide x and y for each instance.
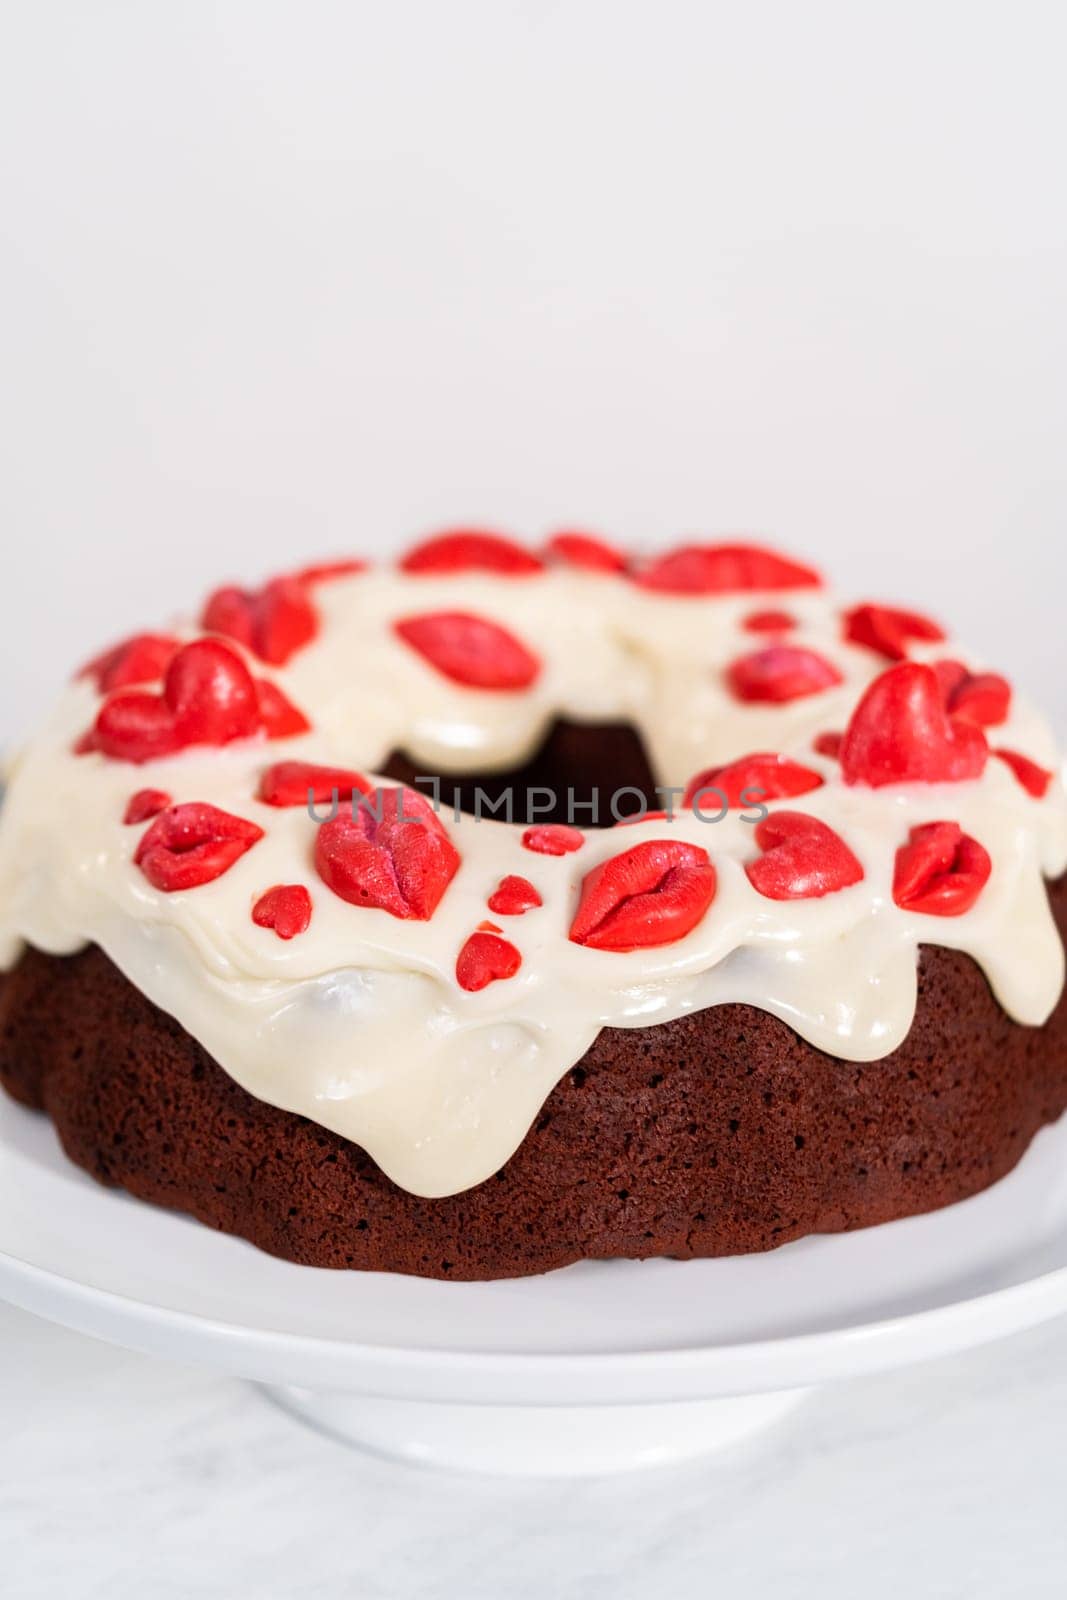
(553, 839)
(471, 550)
(470, 650)
(292, 783)
(144, 804)
(653, 894)
(280, 718)
(273, 622)
(393, 854)
(941, 870)
(586, 551)
(133, 725)
(769, 622)
(828, 744)
(140, 659)
(725, 569)
(981, 697)
(1034, 779)
(192, 844)
(780, 673)
(485, 958)
(327, 571)
(901, 733)
(802, 859)
(889, 630)
(513, 896)
(212, 694)
(286, 908)
(773, 777)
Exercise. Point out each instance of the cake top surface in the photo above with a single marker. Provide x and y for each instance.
(841, 783)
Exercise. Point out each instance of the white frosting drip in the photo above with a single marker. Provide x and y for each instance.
(359, 1022)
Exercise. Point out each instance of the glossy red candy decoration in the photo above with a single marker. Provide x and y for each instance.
(585, 551)
(189, 845)
(941, 870)
(513, 896)
(776, 777)
(273, 622)
(133, 725)
(471, 550)
(828, 744)
(802, 859)
(140, 659)
(725, 569)
(470, 650)
(901, 733)
(280, 718)
(209, 697)
(286, 908)
(653, 894)
(1034, 779)
(889, 630)
(144, 804)
(393, 854)
(553, 839)
(289, 783)
(212, 694)
(485, 958)
(769, 622)
(981, 697)
(780, 673)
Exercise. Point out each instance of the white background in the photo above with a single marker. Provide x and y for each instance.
(280, 280)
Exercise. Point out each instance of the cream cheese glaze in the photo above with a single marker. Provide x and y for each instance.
(359, 1022)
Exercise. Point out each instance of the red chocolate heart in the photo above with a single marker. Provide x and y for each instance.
(981, 697)
(140, 659)
(803, 859)
(513, 896)
(901, 733)
(485, 958)
(286, 908)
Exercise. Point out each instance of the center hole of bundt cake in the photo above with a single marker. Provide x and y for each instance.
(589, 774)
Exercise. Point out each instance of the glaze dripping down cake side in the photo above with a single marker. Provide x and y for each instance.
(509, 908)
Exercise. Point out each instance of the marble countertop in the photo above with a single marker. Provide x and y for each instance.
(127, 1476)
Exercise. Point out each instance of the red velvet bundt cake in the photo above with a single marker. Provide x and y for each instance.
(503, 909)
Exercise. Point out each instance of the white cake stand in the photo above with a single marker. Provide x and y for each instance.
(595, 1368)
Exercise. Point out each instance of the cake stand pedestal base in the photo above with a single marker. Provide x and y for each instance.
(535, 1441)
